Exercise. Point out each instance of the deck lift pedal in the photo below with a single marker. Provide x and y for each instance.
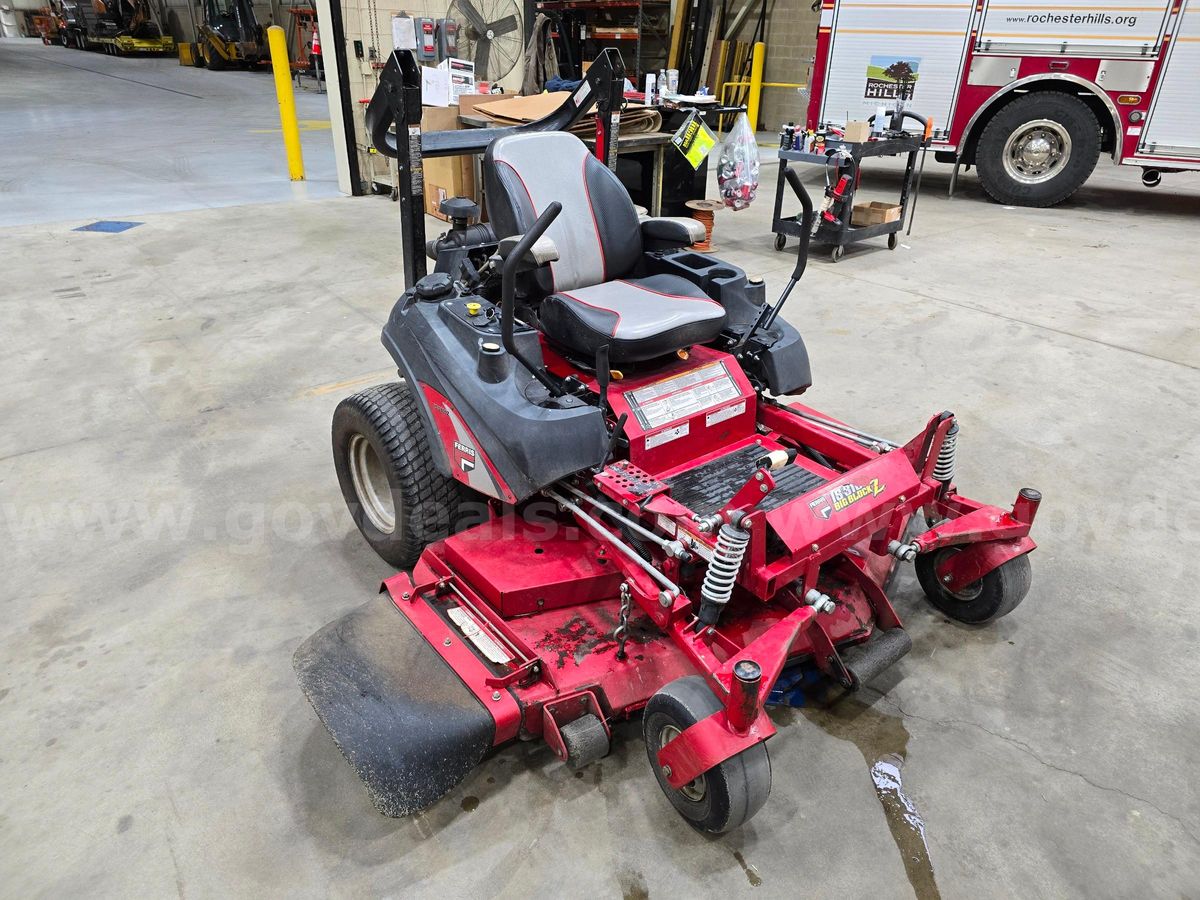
(600, 501)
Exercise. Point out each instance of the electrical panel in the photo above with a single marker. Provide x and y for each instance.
(447, 39)
(426, 39)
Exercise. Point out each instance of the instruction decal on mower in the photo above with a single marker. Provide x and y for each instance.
(844, 496)
(682, 396)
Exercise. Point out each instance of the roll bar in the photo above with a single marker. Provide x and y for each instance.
(397, 102)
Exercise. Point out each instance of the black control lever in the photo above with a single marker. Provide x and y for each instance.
(770, 313)
(508, 294)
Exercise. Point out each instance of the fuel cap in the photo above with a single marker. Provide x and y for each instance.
(434, 287)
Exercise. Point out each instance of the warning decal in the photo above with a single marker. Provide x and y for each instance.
(683, 395)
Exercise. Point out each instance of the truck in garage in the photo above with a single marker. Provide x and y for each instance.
(118, 27)
(1030, 93)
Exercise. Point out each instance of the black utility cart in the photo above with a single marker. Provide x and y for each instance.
(842, 233)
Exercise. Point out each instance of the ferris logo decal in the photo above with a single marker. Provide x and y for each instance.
(468, 456)
(844, 496)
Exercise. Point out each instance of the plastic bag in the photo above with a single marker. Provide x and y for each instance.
(737, 169)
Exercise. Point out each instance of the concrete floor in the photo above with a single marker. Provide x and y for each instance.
(172, 529)
(86, 135)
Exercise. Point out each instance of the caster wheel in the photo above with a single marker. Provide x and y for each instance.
(780, 241)
(838, 253)
(586, 741)
(996, 594)
(893, 240)
(728, 794)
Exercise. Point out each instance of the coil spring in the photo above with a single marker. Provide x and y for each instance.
(726, 562)
(943, 469)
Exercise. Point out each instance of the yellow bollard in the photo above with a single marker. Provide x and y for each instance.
(287, 102)
(756, 76)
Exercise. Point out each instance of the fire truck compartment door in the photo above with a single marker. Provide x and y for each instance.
(1173, 126)
(879, 48)
(1094, 28)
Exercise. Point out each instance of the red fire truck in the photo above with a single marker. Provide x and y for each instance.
(1030, 93)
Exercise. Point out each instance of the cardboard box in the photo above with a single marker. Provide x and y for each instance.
(446, 176)
(451, 79)
(858, 132)
(468, 102)
(874, 213)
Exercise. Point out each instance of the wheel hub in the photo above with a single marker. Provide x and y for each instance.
(968, 592)
(1036, 151)
(371, 485)
(695, 789)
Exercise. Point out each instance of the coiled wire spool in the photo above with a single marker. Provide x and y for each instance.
(943, 469)
(722, 572)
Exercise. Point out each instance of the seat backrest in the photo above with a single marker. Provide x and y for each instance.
(596, 234)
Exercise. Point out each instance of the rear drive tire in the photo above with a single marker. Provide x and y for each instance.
(727, 795)
(399, 500)
(996, 594)
(1038, 150)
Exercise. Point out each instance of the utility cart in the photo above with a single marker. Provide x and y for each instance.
(834, 227)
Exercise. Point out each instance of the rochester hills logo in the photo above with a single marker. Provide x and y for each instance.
(844, 495)
(889, 77)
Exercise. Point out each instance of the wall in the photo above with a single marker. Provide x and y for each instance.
(791, 43)
(371, 23)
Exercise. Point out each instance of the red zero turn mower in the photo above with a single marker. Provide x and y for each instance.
(603, 511)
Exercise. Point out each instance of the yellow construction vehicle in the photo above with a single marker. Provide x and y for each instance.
(229, 35)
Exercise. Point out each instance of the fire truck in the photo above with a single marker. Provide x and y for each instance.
(1030, 93)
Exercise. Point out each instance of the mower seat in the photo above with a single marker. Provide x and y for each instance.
(588, 297)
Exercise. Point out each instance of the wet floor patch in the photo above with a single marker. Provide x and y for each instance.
(751, 873)
(883, 742)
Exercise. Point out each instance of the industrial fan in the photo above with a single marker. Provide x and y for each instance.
(489, 34)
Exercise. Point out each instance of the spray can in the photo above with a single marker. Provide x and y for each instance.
(787, 136)
(673, 81)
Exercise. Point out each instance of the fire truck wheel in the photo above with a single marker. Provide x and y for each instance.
(728, 794)
(1038, 150)
(399, 500)
(996, 594)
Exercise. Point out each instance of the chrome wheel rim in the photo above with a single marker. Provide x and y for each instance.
(371, 485)
(694, 790)
(1037, 151)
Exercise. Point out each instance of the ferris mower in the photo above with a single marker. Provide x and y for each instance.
(600, 507)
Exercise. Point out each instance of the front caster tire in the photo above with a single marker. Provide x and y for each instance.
(837, 253)
(780, 241)
(997, 594)
(893, 240)
(399, 500)
(728, 794)
(1038, 150)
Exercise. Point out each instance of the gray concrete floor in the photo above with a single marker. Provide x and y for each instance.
(85, 136)
(172, 529)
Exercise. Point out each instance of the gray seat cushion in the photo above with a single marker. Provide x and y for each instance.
(639, 318)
